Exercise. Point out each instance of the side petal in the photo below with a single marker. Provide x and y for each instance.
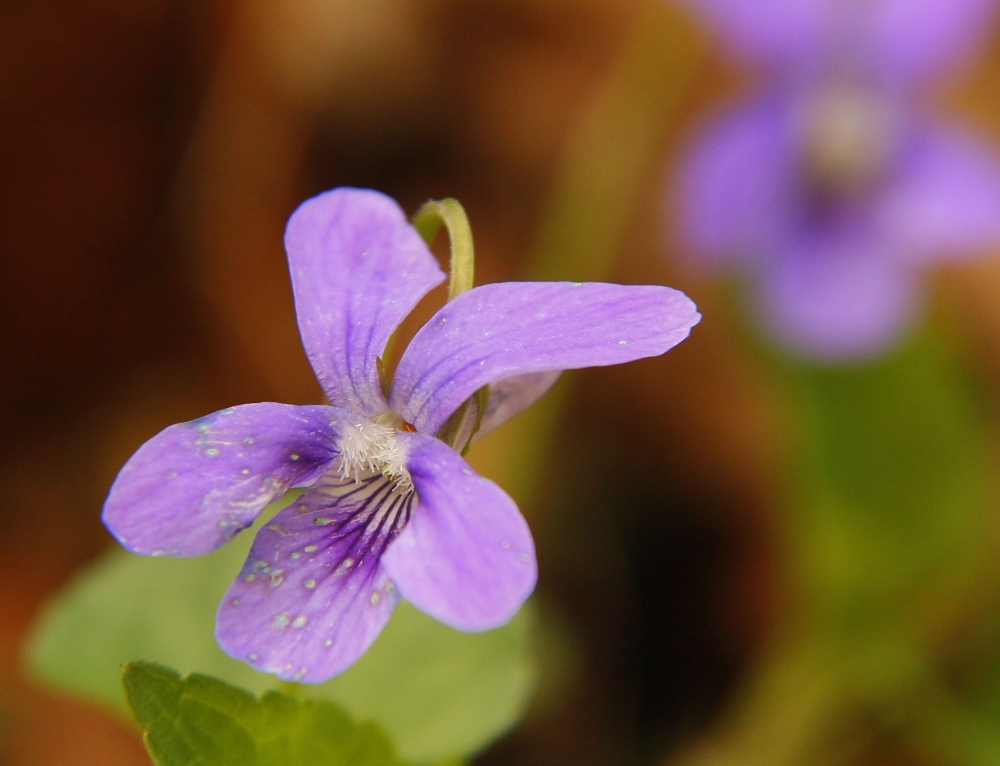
(511, 396)
(194, 485)
(466, 557)
(839, 299)
(358, 268)
(513, 328)
(313, 596)
(945, 200)
(508, 397)
(914, 39)
(736, 188)
(770, 31)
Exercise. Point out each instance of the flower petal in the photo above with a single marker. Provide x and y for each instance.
(774, 31)
(913, 39)
(357, 268)
(312, 595)
(838, 298)
(945, 200)
(512, 328)
(737, 187)
(194, 485)
(511, 396)
(466, 557)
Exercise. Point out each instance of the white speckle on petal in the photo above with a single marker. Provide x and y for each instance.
(311, 548)
(253, 657)
(297, 555)
(329, 642)
(172, 475)
(293, 456)
(300, 621)
(235, 602)
(250, 577)
(301, 674)
(505, 543)
(211, 452)
(248, 440)
(348, 563)
(375, 598)
(244, 471)
(322, 521)
(280, 621)
(276, 578)
(303, 507)
(623, 343)
(467, 471)
(309, 584)
(524, 557)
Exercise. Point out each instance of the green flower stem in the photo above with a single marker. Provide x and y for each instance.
(428, 220)
(449, 213)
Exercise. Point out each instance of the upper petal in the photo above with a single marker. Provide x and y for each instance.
(773, 31)
(358, 268)
(912, 39)
(736, 189)
(466, 557)
(839, 296)
(945, 198)
(194, 485)
(513, 328)
(313, 595)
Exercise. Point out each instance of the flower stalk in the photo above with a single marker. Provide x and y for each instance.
(428, 220)
(450, 214)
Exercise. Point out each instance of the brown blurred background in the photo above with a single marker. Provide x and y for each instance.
(150, 153)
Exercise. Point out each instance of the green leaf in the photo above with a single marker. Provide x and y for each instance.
(438, 693)
(198, 720)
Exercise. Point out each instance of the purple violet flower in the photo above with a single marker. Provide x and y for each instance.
(388, 510)
(832, 183)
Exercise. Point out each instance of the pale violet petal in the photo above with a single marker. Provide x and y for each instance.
(358, 268)
(511, 396)
(313, 594)
(737, 187)
(944, 202)
(194, 485)
(911, 40)
(466, 557)
(839, 297)
(501, 330)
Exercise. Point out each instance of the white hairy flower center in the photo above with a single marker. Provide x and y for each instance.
(368, 448)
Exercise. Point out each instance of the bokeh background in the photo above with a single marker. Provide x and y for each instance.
(150, 154)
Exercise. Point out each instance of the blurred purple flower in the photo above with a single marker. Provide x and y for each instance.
(389, 509)
(832, 183)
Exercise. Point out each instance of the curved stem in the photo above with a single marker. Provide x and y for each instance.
(449, 212)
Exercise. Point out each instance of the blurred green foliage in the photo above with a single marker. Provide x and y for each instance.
(888, 540)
